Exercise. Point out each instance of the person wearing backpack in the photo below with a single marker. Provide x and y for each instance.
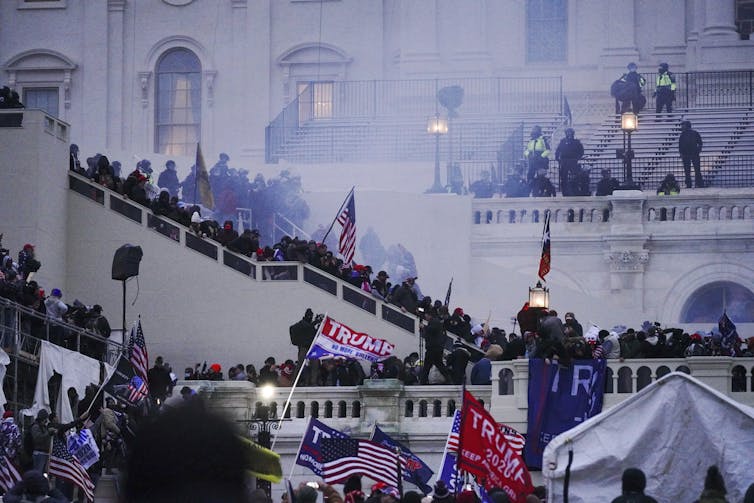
(41, 433)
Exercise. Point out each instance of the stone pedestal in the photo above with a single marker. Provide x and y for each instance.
(380, 402)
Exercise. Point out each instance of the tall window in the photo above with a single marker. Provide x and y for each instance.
(315, 100)
(546, 30)
(44, 98)
(745, 18)
(178, 103)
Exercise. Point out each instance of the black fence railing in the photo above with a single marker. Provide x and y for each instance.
(352, 101)
(718, 171)
(709, 89)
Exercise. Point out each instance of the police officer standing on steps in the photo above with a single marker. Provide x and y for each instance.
(665, 89)
(537, 153)
(568, 154)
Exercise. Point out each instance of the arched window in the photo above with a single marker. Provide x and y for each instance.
(707, 304)
(178, 103)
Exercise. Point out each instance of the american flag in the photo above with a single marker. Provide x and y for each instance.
(63, 464)
(137, 389)
(347, 218)
(544, 261)
(343, 457)
(137, 351)
(514, 438)
(455, 429)
(9, 475)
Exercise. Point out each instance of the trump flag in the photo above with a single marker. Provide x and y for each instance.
(310, 452)
(559, 399)
(336, 339)
(485, 453)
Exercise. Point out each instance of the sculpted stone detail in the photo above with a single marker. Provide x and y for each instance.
(627, 260)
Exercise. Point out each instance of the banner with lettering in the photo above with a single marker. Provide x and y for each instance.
(485, 453)
(336, 339)
(559, 399)
(309, 455)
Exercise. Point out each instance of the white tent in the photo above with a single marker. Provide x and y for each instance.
(673, 430)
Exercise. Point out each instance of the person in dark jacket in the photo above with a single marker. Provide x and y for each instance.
(541, 186)
(607, 184)
(168, 179)
(634, 482)
(302, 335)
(690, 146)
(41, 433)
(568, 154)
(627, 91)
(226, 234)
(434, 337)
(159, 380)
(714, 487)
(458, 360)
(405, 297)
(245, 244)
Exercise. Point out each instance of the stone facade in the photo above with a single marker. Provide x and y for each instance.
(100, 58)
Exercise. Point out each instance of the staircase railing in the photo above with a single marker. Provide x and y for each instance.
(21, 331)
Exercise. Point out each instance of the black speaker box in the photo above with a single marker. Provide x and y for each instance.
(126, 262)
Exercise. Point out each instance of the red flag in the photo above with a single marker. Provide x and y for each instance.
(544, 261)
(486, 453)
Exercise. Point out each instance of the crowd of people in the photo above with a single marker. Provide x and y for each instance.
(17, 284)
(185, 201)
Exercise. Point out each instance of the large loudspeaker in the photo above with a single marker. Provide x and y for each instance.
(126, 262)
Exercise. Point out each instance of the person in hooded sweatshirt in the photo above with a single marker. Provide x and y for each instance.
(633, 484)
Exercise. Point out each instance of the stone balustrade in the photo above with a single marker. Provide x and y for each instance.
(698, 207)
(591, 210)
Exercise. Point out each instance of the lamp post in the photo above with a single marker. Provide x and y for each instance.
(539, 296)
(437, 126)
(629, 122)
(260, 424)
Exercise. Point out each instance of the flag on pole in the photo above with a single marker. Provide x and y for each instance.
(310, 452)
(544, 261)
(447, 294)
(335, 338)
(417, 472)
(452, 443)
(728, 333)
(64, 465)
(347, 219)
(343, 457)
(137, 351)
(202, 181)
(137, 389)
(9, 475)
(487, 454)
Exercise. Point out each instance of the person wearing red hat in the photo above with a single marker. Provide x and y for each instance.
(696, 348)
(10, 436)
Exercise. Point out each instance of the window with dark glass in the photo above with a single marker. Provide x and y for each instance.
(315, 100)
(708, 303)
(546, 30)
(745, 18)
(43, 98)
(178, 100)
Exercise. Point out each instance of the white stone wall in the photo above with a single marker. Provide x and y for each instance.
(253, 53)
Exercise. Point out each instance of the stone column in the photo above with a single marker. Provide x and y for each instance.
(720, 20)
(670, 43)
(620, 46)
(115, 80)
(711, 371)
(468, 33)
(419, 36)
(625, 253)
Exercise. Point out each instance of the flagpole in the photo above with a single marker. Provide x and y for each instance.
(398, 468)
(460, 437)
(295, 383)
(293, 465)
(338, 213)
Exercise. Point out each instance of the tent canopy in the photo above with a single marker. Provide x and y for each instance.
(673, 430)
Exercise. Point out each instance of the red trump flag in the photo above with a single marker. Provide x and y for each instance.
(486, 453)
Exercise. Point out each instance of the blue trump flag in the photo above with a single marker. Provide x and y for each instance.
(559, 399)
(309, 454)
(416, 471)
